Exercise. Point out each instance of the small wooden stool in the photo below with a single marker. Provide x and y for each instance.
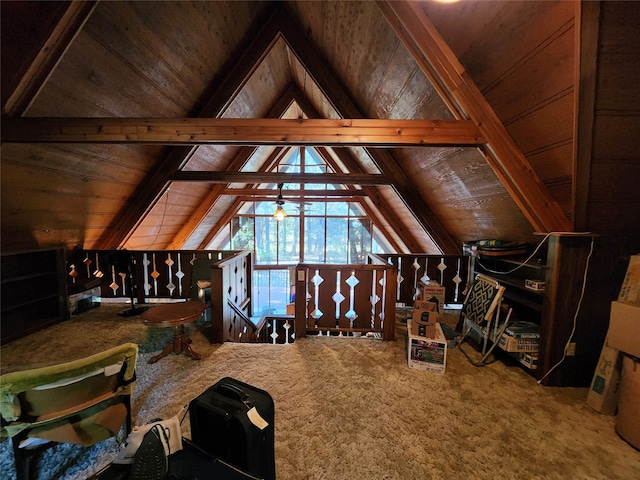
(175, 315)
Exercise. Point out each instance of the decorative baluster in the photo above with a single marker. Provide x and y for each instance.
(442, 267)
(155, 274)
(179, 275)
(87, 261)
(145, 272)
(170, 286)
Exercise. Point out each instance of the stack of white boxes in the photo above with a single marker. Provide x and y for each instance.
(427, 345)
(616, 381)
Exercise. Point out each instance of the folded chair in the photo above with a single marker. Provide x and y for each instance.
(83, 402)
(480, 316)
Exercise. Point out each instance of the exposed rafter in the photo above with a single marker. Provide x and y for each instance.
(242, 131)
(466, 101)
(277, 177)
(260, 193)
(224, 91)
(26, 88)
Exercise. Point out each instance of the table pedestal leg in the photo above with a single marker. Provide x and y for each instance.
(181, 343)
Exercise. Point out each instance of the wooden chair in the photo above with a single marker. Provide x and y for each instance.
(83, 402)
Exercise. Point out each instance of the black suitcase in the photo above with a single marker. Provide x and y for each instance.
(221, 424)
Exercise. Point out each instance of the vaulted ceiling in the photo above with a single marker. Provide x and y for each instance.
(135, 123)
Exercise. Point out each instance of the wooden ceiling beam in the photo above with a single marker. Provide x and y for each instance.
(45, 57)
(382, 207)
(279, 177)
(293, 194)
(458, 90)
(238, 162)
(242, 131)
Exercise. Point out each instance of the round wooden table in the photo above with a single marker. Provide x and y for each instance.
(175, 315)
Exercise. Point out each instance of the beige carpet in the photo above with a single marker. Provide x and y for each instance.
(351, 408)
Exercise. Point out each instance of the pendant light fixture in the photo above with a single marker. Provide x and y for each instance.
(280, 214)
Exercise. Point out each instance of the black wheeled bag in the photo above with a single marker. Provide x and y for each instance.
(234, 422)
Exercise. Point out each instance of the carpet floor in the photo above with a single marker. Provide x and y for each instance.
(349, 407)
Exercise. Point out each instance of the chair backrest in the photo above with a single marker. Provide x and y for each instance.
(482, 300)
(83, 401)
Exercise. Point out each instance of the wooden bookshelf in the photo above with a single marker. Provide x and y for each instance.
(33, 292)
(561, 265)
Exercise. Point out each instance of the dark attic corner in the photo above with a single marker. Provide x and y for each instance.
(329, 211)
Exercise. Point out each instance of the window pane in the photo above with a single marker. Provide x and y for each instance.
(356, 210)
(289, 240)
(337, 208)
(242, 233)
(270, 291)
(314, 208)
(266, 240)
(314, 240)
(336, 243)
(265, 208)
(359, 239)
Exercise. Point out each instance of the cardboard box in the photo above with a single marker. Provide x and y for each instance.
(513, 344)
(428, 354)
(624, 328)
(423, 323)
(425, 306)
(628, 421)
(291, 309)
(434, 292)
(84, 301)
(529, 360)
(630, 290)
(605, 386)
(520, 337)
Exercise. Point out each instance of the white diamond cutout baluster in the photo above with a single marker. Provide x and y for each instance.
(316, 280)
(374, 299)
(87, 261)
(416, 267)
(287, 326)
(145, 273)
(442, 267)
(124, 288)
(170, 285)
(352, 281)
(155, 274)
(457, 281)
(179, 275)
(73, 274)
(98, 273)
(114, 285)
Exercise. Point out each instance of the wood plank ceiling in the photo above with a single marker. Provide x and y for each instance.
(125, 123)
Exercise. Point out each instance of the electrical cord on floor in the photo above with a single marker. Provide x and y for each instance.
(575, 316)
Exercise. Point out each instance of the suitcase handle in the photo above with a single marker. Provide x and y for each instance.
(233, 391)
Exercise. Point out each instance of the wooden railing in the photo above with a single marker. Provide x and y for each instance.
(165, 275)
(158, 274)
(231, 280)
(450, 271)
(345, 299)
